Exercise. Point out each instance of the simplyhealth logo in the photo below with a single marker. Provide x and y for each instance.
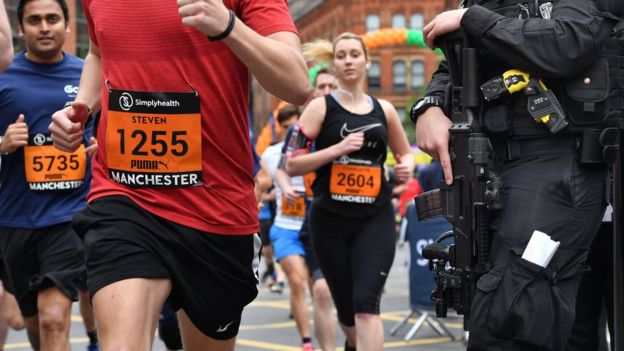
(126, 101)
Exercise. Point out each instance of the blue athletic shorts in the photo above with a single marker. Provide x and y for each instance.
(285, 242)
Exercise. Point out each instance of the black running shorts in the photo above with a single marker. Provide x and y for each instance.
(212, 275)
(36, 259)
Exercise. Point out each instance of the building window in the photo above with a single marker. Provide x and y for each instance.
(374, 76)
(398, 75)
(417, 21)
(398, 20)
(372, 23)
(418, 75)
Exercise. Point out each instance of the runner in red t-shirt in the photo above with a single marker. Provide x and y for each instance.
(172, 209)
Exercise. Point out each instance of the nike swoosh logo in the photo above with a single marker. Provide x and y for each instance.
(224, 328)
(344, 131)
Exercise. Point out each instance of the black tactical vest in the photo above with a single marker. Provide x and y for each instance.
(590, 100)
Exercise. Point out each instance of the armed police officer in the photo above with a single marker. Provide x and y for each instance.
(552, 167)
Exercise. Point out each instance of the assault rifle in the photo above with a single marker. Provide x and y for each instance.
(475, 189)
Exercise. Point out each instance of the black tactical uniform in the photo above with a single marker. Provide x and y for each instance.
(547, 185)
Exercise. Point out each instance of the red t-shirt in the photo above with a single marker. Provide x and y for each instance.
(145, 47)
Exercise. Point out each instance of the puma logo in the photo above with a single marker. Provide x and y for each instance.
(164, 164)
(344, 131)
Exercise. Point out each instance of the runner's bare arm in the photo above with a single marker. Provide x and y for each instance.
(398, 143)
(283, 181)
(263, 181)
(90, 91)
(275, 60)
(311, 121)
(6, 39)
(67, 124)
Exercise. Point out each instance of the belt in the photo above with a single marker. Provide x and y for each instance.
(517, 148)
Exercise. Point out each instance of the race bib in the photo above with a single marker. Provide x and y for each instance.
(48, 168)
(308, 180)
(296, 210)
(154, 139)
(354, 183)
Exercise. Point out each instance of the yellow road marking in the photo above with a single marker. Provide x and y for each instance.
(423, 341)
(75, 318)
(16, 345)
(21, 345)
(266, 345)
(281, 325)
(276, 304)
(391, 316)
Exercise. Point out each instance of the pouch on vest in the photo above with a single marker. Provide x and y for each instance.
(597, 95)
(585, 97)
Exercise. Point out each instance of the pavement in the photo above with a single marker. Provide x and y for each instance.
(266, 324)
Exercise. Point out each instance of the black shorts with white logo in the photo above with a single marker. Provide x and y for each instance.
(212, 275)
(37, 259)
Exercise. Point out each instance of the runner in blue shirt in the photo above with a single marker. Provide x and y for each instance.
(40, 186)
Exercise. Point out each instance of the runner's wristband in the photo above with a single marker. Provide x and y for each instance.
(227, 30)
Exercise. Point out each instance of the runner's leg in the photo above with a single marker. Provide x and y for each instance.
(86, 311)
(324, 318)
(54, 314)
(297, 273)
(126, 313)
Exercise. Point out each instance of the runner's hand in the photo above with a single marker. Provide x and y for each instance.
(353, 142)
(16, 136)
(210, 17)
(93, 146)
(67, 126)
(404, 168)
(291, 195)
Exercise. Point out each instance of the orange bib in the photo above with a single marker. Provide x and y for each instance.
(48, 168)
(154, 139)
(296, 210)
(348, 181)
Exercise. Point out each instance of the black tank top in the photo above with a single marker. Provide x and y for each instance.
(353, 185)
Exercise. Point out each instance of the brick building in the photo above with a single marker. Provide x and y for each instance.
(398, 73)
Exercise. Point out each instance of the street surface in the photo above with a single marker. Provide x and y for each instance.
(266, 324)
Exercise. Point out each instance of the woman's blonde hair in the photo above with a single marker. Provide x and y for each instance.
(321, 51)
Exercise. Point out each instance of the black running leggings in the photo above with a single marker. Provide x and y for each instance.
(355, 256)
